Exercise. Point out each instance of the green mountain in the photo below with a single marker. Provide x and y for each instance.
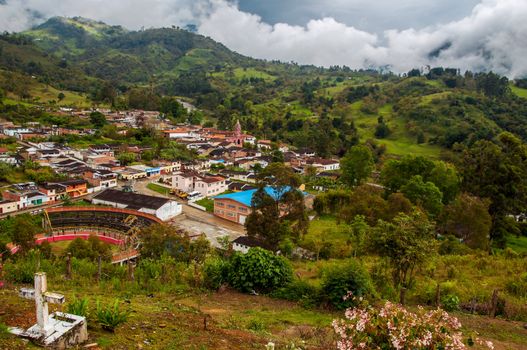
(306, 106)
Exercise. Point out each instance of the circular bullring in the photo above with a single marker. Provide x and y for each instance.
(111, 225)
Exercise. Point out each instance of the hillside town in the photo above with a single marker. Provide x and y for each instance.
(225, 162)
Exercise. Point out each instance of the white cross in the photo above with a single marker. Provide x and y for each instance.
(42, 297)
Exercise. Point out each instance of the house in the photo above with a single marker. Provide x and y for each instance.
(101, 178)
(324, 164)
(75, 188)
(236, 206)
(206, 185)
(210, 185)
(163, 208)
(181, 133)
(25, 199)
(55, 192)
(236, 175)
(244, 243)
(8, 206)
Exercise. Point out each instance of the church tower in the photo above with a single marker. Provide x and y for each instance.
(238, 133)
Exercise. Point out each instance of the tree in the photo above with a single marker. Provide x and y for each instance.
(264, 221)
(356, 165)
(396, 173)
(98, 119)
(406, 242)
(126, 158)
(61, 96)
(259, 270)
(382, 130)
(423, 194)
(278, 208)
(23, 232)
(160, 239)
(468, 219)
(498, 171)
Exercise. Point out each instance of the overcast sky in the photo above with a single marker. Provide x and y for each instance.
(403, 34)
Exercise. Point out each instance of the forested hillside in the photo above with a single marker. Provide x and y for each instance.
(329, 110)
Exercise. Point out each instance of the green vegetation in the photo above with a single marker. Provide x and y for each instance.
(158, 188)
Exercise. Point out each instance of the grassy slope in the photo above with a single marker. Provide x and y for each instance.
(234, 322)
(519, 91)
(175, 321)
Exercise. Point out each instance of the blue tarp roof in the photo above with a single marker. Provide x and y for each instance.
(245, 197)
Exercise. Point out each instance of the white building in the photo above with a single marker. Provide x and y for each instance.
(163, 208)
(207, 186)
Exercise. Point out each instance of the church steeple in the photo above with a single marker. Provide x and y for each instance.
(237, 129)
(238, 133)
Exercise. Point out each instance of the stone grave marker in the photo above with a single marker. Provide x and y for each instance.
(58, 330)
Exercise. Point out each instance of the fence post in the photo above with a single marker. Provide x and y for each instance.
(494, 303)
(68, 266)
(402, 296)
(99, 261)
(130, 270)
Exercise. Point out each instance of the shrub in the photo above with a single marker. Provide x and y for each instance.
(78, 307)
(393, 327)
(518, 286)
(259, 270)
(256, 325)
(22, 270)
(299, 290)
(110, 317)
(450, 302)
(337, 282)
(216, 273)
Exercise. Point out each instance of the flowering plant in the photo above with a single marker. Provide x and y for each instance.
(394, 327)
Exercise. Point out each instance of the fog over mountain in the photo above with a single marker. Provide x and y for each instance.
(490, 36)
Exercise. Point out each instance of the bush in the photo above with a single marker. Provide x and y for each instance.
(110, 317)
(394, 327)
(300, 291)
(518, 286)
(337, 282)
(22, 270)
(216, 273)
(259, 270)
(450, 302)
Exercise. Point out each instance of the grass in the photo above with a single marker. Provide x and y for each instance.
(158, 188)
(519, 91)
(326, 228)
(518, 244)
(207, 203)
(400, 142)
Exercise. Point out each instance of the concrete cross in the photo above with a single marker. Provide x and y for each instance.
(42, 297)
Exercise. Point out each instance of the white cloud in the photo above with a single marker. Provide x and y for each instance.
(492, 37)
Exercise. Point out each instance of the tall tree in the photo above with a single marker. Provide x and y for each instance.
(407, 242)
(468, 219)
(498, 171)
(423, 194)
(356, 165)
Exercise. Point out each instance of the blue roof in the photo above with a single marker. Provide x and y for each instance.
(245, 197)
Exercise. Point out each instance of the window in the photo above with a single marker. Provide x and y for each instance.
(242, 209)
(230, 206)
(231, 214)
(219, 204)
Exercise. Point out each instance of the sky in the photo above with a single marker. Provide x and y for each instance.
(478, 35)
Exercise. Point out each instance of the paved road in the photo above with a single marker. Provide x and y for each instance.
(196, 221)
